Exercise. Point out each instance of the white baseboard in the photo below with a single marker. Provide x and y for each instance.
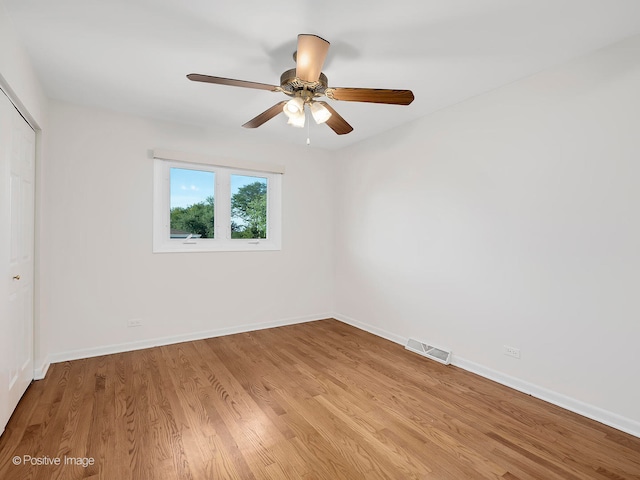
(371, 329)
(41, 372)
(598, 414)
(156, 342)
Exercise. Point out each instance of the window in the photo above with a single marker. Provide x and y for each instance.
(191, 207)
(248, 206)
(201, 207)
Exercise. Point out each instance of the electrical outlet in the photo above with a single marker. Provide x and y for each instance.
(511, 351)
(134, 322)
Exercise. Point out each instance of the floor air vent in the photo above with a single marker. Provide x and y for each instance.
(429, 351)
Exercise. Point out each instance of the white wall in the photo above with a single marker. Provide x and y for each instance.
(97, 267)
(509, 219)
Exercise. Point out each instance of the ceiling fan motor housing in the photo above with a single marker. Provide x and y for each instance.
(293, 86)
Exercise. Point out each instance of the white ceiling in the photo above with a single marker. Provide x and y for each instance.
(133, 55)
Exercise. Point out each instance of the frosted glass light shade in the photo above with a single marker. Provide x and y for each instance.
(293, 106)
(297, 119)
(320, 113)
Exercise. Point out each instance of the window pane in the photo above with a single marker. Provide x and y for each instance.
(248, 207)
(192, 211)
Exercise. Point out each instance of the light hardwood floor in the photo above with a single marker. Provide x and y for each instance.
(320, 400)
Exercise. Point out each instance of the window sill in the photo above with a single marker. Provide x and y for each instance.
(214, 246)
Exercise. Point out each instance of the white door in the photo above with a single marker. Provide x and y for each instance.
(17, 177)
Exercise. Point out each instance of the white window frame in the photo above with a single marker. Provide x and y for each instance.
(222, 241)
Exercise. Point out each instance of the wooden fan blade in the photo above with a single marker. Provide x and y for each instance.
(312, 50)
(336, 122)
(196, 77)
(371, 95)
(265, 116)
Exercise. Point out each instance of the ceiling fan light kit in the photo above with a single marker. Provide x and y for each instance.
(294, 110)
(305, 84)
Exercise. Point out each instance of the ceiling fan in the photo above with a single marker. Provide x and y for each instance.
(305, 84)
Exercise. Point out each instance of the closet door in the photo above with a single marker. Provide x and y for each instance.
(17, 202)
